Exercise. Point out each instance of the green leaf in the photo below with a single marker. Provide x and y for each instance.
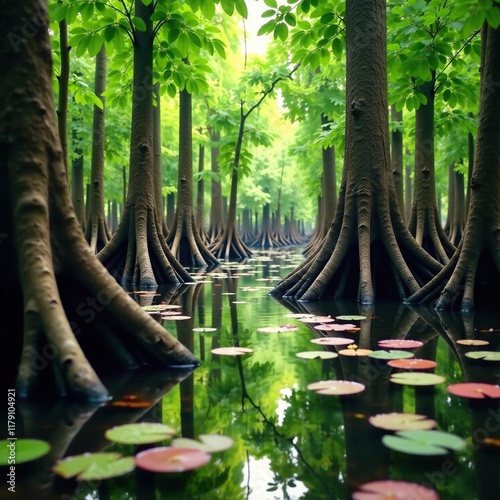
(77, 464)
(146, 2)
(271, 3)
(22, 450)
(139, 23)
(485, 355)
(211, 443)
(241, 8)
(208, 9)
(391, 354)
(267, 27)
(142, 433)
(415, 378)
(337, 47)
(99, 472)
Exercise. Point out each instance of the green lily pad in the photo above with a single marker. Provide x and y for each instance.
(204, 329)
(416, 378)
(427, 442)
(211, 443)
(79, 464)
(22, 450)
(142, 433)
(485, 355)
(336, 387)
(391, 354)
(351, 317)
(110, 469)
(317, 354)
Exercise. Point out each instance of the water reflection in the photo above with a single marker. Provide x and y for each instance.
(290, 443)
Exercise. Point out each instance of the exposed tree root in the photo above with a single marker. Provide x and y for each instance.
(230, 246)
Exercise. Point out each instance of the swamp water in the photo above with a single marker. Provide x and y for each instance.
(289, 442)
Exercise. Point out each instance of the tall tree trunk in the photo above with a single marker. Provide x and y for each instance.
(137, 253)
(63, 79)
(473, 274)
(184, 238)
(77, 181)
(425, 223)
(200, 194)
(329, 183)
(56, 272)
(97, 233)
(397, 155)
(367, 237)
(216, 226)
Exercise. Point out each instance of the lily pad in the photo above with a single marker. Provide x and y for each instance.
(204, 329)
(424, 442)
(336, 387)
(336, 327)
(317, 319)
(211, 443)
(472, 342)
(278, 329)
(22, 450)
(416, 378)
(232, 351)
(391, 354)
(402, 421)
(385, 490)
(475, 390)
(299, 315)
(412, 364)
(94, 466)
(317, 354)
(355, 352)
(332, 341)
(351, 317)
(141, 433)
(176, 318)
(400, 343)
(485, 355)
(171, 459)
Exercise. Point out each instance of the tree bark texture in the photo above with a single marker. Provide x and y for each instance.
(397, 155)
(45, 234)
(216, 224)
(368, 251)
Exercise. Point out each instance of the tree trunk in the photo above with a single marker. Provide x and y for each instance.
(397, 155)
(265, 238)
(216, 226)
(425, 223)
(63, 79)
(184, 238)
(329, 184)
(368, 251)
(97, 234)
(137, 253)
(473, 274)
(200, 195)
(53, 259)
(77, 182)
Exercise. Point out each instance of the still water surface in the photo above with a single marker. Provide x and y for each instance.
(290, 443)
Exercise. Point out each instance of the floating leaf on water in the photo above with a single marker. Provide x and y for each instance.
(424, 442)
(351, 317)
(171, 459)
(402, 421)
(391, 354)
(211, 443)
(337, 327)
(299, 315)
(484, 355)
(176, 318)
(475, 390)
(412, 364)
(78, 464)
(355, 352)
(140, 433)
(106, 471)
(389, 489)
(204, 329)
(317, 319)
(278, 329)
(232, 351)
(24, 450)
(332, 341)
(416, 378)
(336, 387)
(472, 342)
(238, 302)
(400, 344)
(317, 354)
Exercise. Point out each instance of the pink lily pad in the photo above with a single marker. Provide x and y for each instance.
(402, 421)
(400, 343)
(336, 387)
(394, 490)
(332, 341)
(412, 364)
(472, 342)
(336, 327)
(171, 459)
(299, 315)
(278, 329)
(232, 351)
(475, 390)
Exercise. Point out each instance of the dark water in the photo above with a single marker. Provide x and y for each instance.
(290, 443)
